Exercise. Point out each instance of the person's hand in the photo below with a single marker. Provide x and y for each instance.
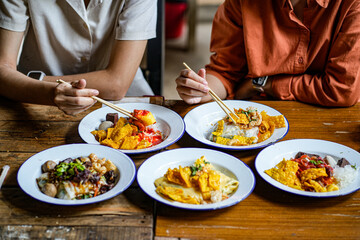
(192, 87)
(75, 98)
(245, 90)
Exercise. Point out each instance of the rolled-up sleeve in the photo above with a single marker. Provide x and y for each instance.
(137, 20)
(228, 61)
(339, 84)
(14, 15)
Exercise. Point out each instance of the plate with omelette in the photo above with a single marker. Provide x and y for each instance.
(196, 179)
(256, 125)
(153, 127)
(310, 167)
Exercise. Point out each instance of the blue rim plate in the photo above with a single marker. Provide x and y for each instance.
(200, 122)
(272, 155)
(167, 121)
(31, 169)
(157, 165)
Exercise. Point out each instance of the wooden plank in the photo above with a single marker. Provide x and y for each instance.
(129, 209)
(30, 136)
(74, 232)
(266, 213)
(11, 110)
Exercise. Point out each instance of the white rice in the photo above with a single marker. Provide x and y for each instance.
(230, 130)
(345, 175)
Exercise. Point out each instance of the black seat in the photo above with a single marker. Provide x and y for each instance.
(154, 57)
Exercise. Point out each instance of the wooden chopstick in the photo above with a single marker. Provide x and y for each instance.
(5, 170)
(218, 100)
(109, 104)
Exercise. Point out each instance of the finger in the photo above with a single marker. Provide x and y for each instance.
(191, 84)
(190, 92)
(80, 84)
(72, 111)
(75, 102)
(194, 76)
(190, 99)
(75, 92)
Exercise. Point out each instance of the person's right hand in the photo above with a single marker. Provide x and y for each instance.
(75, 98)
(192, 87)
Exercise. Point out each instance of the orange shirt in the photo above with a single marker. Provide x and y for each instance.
(316, 60)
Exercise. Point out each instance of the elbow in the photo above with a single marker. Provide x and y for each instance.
(115, 92)
(346, 103)
(344, 100)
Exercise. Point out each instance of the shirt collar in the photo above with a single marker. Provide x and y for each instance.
(322, 3)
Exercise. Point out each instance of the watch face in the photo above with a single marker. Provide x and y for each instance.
(35, 75)
(260, 81)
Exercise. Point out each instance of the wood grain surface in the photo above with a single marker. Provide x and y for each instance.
(268, 213)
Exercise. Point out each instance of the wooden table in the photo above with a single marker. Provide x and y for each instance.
(267, 213)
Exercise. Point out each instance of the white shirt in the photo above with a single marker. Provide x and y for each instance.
(63, 37)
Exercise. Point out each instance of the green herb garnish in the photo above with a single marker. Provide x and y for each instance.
(316, 162)
(68, 169)
(197, 167)
(194, 169)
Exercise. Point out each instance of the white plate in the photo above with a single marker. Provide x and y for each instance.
(200, 122)
(167, 121)
(157, 165)
(272, 155)
(31, 169)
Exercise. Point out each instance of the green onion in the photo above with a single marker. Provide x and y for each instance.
(316, 162)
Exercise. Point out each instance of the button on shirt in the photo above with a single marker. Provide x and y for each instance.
(316, 60)
(64, 37)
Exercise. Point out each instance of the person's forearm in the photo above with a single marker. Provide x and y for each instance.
(217, 86)
(327, 90)
(18, 87)
(110, 87)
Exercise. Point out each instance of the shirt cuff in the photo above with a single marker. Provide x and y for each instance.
(12, 26)
(134, 35)
(281, 85)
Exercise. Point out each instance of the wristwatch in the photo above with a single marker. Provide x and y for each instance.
(39, 75)
(259, 83)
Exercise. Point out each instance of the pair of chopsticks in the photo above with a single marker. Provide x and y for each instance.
(109, 104)
(216, 98)
(5, 170)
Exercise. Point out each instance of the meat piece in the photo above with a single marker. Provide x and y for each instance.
(49, 189)
(112, 117)
(343, 162)
(299, 154)
(48, 166)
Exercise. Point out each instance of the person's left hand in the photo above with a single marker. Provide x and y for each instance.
(245, 90)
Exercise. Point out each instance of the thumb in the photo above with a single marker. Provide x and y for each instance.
(80, 84)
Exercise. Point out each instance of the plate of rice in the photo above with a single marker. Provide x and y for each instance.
(331, 170)
(208, 124)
